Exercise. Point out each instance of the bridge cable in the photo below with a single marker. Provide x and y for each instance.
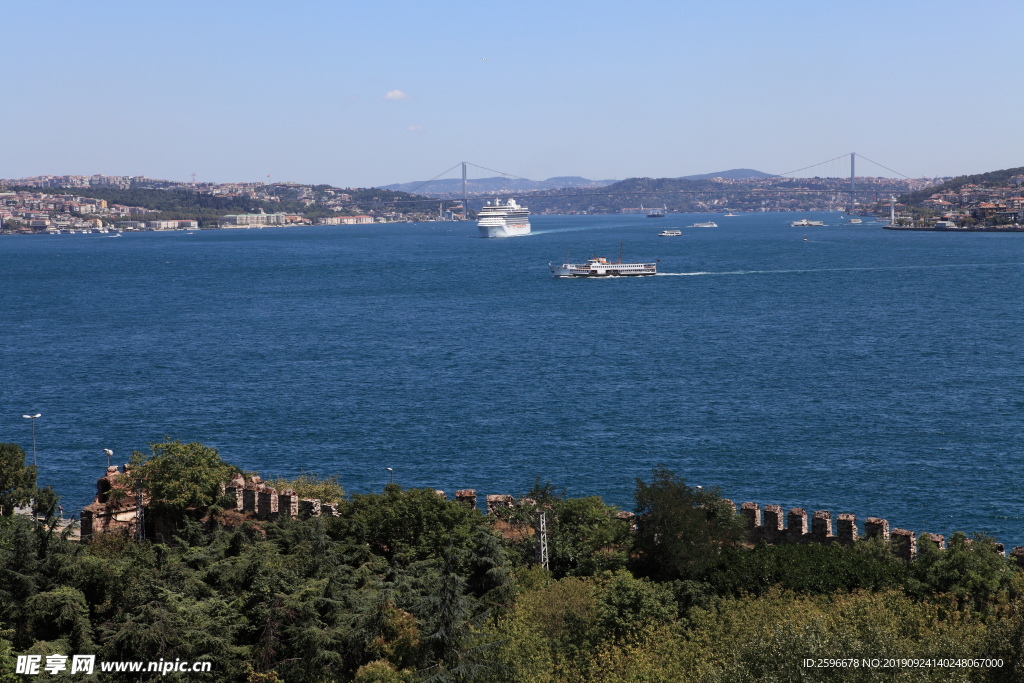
(885, 167)
(413, 190)
(822, 163)
(507, 175)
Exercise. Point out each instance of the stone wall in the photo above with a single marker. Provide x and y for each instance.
(254, 497)
(251, 496)
(766, 525)
(115, 507)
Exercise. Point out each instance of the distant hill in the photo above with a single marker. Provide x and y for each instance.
(453, 186)
(708, 195)
(733, 174)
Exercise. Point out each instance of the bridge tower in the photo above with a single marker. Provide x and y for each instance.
(465, 196)
(853, 189)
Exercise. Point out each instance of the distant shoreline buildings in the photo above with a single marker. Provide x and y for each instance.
(36, 204)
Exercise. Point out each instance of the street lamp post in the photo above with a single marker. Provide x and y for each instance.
(391, 471)
(33, 418)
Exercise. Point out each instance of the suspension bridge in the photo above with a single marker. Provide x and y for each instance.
(828, 169)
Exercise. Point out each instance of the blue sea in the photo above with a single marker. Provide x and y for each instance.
(862, 370)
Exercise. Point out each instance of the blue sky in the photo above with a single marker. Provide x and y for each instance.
(233, 91)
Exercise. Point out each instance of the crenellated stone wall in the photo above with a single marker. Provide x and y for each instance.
(495, 501)
(254, 497)
(767, 526)
(115, 509)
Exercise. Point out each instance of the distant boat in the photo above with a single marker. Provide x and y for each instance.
(856, 220)
(804, 223)
(670, 233)
(731, 215)
(601, 267)
(657, 213)
(708, 224)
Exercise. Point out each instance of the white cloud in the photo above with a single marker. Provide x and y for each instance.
(396, 95)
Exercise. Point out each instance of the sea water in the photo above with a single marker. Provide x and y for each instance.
(858, 370)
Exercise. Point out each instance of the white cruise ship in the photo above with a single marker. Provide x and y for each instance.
(503, 220)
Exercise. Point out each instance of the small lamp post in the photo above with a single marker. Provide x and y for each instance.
(33, 418)
(391, 471)
(110, 454)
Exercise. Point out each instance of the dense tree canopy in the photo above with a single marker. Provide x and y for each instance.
(406, 586)
(17, 480)
(681, 530)
(179, 476)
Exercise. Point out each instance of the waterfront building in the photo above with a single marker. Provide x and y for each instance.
(246, 220)
(346, 220)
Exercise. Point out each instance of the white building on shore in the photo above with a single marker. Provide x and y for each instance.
(248, 220)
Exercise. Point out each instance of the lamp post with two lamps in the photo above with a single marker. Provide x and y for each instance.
(33, 418)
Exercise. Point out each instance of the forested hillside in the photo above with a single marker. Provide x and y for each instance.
(406, 586)
(206, 208)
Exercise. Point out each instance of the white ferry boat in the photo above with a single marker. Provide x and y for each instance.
(503, 220)
(707, 224)
(670, 233)
(602, 267)
(804, 223)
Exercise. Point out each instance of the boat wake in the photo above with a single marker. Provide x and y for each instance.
(836, 270)
(553, 232)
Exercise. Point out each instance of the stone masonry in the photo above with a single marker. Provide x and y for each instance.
(114, 509)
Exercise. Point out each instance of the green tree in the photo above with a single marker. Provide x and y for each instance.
(587, 538)
(13, 225)
(681, 531)
(61, 613)
(7, 661)
(811, 568)
(17, 480)
(409, 526)
(179, 476)
(970, 569)
(457, 650)
(628, 607)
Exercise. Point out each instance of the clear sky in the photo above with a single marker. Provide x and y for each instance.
(370, 93)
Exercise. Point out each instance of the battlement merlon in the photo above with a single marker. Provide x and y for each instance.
(906, 545)
(751, 515)
(846, 528)
(773, 523)
(466, 497)
(821, 526)
(876, 527)
(797, 525)
(495, 501)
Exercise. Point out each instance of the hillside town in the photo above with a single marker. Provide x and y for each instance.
(974, 204)
(63, 204)
(99, 203)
